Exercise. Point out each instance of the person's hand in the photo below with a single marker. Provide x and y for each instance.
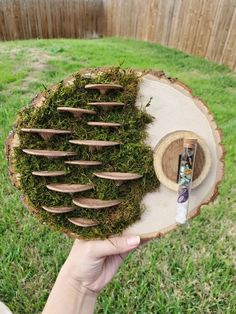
(88, 268)
(92, 264)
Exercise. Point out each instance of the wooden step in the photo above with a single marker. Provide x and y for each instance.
(77, 112)
(46, 134)
(84, 163)
(119, 177)
(104, 124)
(69, 188)
(49, 173)
(93, 144)
(59, 209)
(95, 203)
(106, 105)
(51, 154)
(104, 88)
(83, 222)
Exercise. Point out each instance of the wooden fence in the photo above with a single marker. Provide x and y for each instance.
(200, 27)
(24, 19)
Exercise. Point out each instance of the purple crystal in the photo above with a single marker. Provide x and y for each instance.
(183, 195)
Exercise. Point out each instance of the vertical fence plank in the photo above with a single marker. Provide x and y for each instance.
(228, 55)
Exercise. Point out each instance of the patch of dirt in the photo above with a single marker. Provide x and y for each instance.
(34, 61)
(37, 61)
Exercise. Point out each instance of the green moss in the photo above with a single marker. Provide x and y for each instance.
(133, 155)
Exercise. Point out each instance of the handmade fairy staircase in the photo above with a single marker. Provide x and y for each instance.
(90, 145)
(89, 153)
(46, 134)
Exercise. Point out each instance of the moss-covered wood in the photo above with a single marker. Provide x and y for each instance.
(133, 155)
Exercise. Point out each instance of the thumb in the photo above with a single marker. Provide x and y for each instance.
(115, 245)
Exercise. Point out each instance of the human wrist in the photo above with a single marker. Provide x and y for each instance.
(70, 296)
(86, 298)
(70, 277)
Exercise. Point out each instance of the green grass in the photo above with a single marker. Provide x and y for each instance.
(189, 271)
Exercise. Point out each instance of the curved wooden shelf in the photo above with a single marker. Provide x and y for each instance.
(69, 188)
(83, 222)
(104, 88)
(93, 144)
(104, 124)
(95, 203)
(77, 112)
(46, 134)
(106, 105)
(84, 163)
(51, 154)
(119, 177)
(59, 209)
(49, 173)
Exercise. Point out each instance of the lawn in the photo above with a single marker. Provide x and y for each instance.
(191, 270)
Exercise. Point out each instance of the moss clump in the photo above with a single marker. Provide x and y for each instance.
(132, 156)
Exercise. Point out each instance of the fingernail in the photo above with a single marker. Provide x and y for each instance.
(133, 241)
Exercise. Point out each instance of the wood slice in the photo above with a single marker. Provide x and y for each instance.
(84, 163)
(49, 173)
(173, 107)
(83, 222)
(48, 153)
(104, 124)
(69, 188)
(166, 157)
(46, 134)
(59, 210)
(95, 203)
(120, 177)
(104, 88)
(77, 112)
(106, 105)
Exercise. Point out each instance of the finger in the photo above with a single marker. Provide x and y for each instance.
(116, 245)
